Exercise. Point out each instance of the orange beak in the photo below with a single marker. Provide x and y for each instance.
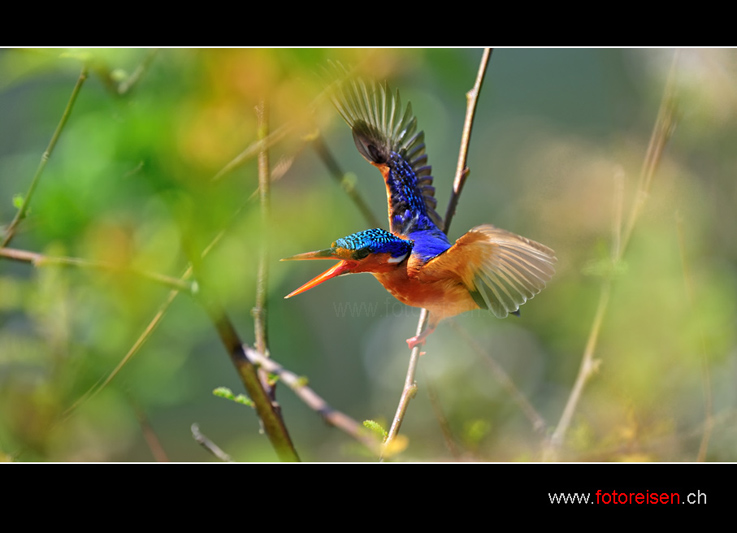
(343, 267)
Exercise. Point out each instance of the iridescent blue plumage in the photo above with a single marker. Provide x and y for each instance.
(408, 206)
(409, 213)
(428, 243)
(375, 241)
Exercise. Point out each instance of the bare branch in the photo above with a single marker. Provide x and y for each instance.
(152, 439)
(40, 260)
(23, 210)
(253, 150)
(462, 171)
(316, 403)
(410, 388)
(260, 309)
(207, 444)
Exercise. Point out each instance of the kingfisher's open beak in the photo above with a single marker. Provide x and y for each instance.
(343, 267)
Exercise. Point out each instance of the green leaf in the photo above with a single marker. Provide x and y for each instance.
(244, 400)
(225, 392)
(376, 427)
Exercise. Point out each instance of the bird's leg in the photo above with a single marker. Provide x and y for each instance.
(419, 340)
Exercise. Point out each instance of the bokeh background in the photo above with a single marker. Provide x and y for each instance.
(559, 134)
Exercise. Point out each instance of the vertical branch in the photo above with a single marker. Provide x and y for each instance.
(664, 126)
(259, 311)
(662, 131)
(23, 210)
(410, 388)
(462, 171)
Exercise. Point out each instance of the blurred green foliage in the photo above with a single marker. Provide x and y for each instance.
(131, 183)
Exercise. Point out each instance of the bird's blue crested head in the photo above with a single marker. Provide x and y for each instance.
(371, 242)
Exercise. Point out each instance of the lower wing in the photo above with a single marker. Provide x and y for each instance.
(501, 270)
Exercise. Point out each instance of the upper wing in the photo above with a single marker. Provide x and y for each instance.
(501, 270)
(385, 135)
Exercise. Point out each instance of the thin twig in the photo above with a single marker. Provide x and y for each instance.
(410, 387)
(462, 171)
(299, 386)
(116, 86)
(152, 440)
(127, 85)
(40, 260)
(207, 444)
(664, 126)
(662, 131)
(254, 149)
(23, 210)
(260, 310)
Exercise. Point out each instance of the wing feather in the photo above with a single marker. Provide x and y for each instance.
(501, 270)
(381, 127)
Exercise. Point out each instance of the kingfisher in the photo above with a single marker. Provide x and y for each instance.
(486, 268)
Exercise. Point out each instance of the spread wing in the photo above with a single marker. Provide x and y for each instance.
(501, 270)
(385, 134)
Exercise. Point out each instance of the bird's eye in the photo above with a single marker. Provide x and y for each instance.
(361, 253)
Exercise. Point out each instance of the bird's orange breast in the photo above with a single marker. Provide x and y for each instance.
(443, 297)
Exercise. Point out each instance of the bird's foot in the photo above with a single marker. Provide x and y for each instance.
(419, 340)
